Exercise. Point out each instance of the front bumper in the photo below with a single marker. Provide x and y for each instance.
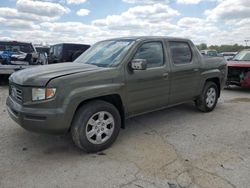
(246, 82)
(49, 121)
(242, 83)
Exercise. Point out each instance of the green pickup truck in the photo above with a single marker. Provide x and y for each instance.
(112, 81)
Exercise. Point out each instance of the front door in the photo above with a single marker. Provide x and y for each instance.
(148, 89)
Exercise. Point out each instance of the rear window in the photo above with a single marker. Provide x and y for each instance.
(181, 52)
(16, 47)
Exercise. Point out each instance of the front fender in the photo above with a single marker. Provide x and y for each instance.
(79, 95)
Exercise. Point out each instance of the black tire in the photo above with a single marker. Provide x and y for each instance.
(201, 102)
(80, 123)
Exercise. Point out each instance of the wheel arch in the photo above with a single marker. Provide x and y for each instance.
(216, 80)
(114, 99)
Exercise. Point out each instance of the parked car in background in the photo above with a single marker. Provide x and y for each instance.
(43, 52)
(17, 55)
(114, 80)
(66, 52)
(212, 53)
(239, 69)
(43, 49)
(228, 55)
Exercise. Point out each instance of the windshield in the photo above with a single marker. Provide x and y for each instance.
(242, 56)
(16, 47)
(105, 53)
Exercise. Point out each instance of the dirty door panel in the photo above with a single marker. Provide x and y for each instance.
(148, 89)
(185, 72)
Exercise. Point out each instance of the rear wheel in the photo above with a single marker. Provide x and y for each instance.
(96, 126)
(209, 97)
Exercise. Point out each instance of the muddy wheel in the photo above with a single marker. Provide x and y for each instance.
(209, 97)
(96, 126)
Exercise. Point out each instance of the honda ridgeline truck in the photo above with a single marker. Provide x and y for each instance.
(112, 81)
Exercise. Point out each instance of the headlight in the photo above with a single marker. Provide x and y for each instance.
(42, 93)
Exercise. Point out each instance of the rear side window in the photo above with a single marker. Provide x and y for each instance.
(152, 52)
(181, 52)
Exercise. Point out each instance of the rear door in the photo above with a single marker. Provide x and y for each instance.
(185, 71)
(148, 89)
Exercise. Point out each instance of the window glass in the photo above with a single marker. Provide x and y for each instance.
(242, 56)
(152, 52)
(57, 50)
(212, 53)
(106, 53)
(51, 50)
(16, 47)
(180, 52)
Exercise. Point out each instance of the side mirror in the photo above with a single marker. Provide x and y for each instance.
(139, 64)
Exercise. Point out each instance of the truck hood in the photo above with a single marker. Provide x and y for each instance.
(41, 75)
(238, 64)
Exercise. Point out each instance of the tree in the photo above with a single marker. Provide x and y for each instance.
(202, 46)
(223, 48)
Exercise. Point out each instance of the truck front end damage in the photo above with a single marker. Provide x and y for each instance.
(239, 75)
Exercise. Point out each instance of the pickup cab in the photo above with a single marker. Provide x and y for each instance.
(112, 81)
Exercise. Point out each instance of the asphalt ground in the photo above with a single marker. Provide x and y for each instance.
(176, 147)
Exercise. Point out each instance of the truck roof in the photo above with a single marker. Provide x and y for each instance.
(69, 44)
(149, 37)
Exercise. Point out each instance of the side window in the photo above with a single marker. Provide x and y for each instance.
(152, 52)
(180, 52)
(51, 50)
(57, 50)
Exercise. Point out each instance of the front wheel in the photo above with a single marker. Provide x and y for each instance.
(96, 126)
(209, 97)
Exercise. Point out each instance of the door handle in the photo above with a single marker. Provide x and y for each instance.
(165, 75)
(195, 70)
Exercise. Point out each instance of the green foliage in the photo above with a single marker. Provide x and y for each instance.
(202, 46)
(222, 48)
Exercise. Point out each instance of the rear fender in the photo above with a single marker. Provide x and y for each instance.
(210, 75)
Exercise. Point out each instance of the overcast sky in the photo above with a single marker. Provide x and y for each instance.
(88, 21)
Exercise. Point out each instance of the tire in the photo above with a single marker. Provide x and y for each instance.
(92, 133)
(209, 97)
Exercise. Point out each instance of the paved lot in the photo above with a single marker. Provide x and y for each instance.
(177, 147)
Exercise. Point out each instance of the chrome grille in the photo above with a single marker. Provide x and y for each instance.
(16, 93)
